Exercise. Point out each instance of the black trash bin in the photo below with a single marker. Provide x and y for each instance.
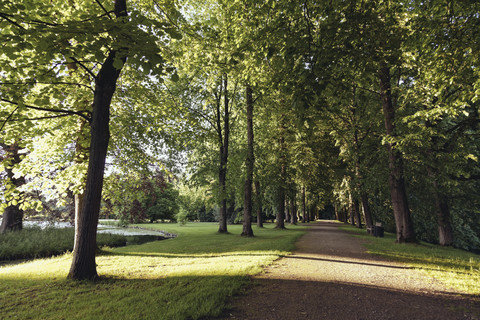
(378, 231)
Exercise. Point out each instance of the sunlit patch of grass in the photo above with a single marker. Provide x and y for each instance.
(455, 268)
(189, 277)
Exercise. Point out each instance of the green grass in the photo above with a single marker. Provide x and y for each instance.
(457, 269)
(189, 277)
(36, 242)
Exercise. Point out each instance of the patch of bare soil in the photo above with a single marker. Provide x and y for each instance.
(330, 276)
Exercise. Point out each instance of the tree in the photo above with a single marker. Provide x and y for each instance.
(83, 264)
(53, 45)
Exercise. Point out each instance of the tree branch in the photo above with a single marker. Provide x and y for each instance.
(6, 120)
(52, 83)
(67, 112)
(84, 67)
(4, 16)
(101, 5)
(42, 118)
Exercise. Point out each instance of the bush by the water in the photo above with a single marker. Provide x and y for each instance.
(36, 242)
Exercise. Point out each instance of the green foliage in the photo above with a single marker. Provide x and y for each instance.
(166, 205)
(195, 203)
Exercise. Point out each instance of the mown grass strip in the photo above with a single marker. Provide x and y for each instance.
(189, 277)
(457, 269)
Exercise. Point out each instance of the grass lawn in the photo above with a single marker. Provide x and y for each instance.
(457, 269)
(189, 277)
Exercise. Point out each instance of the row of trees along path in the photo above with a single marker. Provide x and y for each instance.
(330, 276)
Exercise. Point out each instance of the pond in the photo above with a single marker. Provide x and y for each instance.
(104, 226)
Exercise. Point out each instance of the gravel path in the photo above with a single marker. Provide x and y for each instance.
(330, 276)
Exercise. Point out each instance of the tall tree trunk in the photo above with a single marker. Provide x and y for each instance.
(363, 195)
(304, 205)
(293, 212)
(249, 163)
(78, 200)
(445, 230)
(401, 211)
(223, 155)
(12, 215)
(356, 209)
(81, 156)
(287, 210)
(351, 209)
(367, 213)
(258, 204)
(280, 219)
(83, 263)
(442, 211)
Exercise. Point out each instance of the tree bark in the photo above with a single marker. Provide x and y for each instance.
(351, 209)
(81, 155)
(78, 199)
(445, 230)
(249, 164)
(307, 214)
(442, 211)
(222, 174)
(304, 205)
(12, 219)
(83, 264)
(287, 211)
(258, 204)
(367, 213)
(13, 215)
(358, 175)
(356, 210)
(280, 219)
(401, 211)
(293, 212)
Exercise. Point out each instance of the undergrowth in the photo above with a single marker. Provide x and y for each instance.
(34, 242)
